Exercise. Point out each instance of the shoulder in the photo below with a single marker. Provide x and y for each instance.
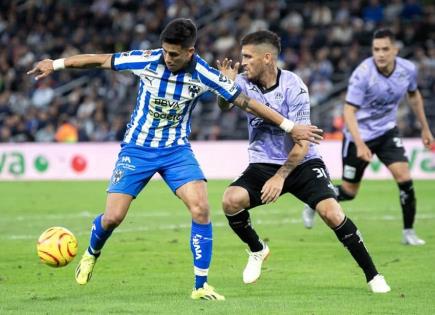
(292, 84)
(365, 67)
(405, 64)
(290, 78)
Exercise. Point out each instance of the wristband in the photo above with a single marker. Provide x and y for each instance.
(59, 64)
(287, 125)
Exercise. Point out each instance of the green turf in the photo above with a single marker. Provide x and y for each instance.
(146, 266)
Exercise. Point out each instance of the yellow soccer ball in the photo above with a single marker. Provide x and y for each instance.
(57, 246)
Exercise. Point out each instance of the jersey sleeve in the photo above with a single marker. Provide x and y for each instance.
(133, 61)
(298, 100)
(412, 87)
(357, 86)
(218, 83)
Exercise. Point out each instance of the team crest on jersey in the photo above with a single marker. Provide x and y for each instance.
(194, 90)
(279, 97)
(117, 175)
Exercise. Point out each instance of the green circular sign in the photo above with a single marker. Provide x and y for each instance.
(41, 163)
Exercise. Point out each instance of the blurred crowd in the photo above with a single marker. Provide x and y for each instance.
(322, 41)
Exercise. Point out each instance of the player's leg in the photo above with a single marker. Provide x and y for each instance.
(242, 195)
(310, 183)
(129, 177)
(183, 175)
(116, 208)
(194, 196)
(401, 174)
(352, 173)
(348, 234)
(392, 154)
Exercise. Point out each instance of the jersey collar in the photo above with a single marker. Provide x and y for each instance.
(191, 66)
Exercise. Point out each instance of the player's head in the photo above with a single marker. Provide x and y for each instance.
(384, 49)
(178, 41)
(260, 52)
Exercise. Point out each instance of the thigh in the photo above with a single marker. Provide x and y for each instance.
(131, 174)
(353, 167)
(253, 179)
(180, 167)
(310, 183)
(390, 148)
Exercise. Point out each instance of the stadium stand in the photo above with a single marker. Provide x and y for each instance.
(322, 42)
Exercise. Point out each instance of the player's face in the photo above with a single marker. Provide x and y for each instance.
(384, 53)
(252, 62)
(176, 57)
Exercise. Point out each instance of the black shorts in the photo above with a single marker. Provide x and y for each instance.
(309, 182)
(388, 148)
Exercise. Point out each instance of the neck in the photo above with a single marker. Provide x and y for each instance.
(388, 69)
(269, 78)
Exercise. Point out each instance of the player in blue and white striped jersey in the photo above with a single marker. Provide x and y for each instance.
(156, 140)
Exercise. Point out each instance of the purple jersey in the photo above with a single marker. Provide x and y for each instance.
(267, 142)
(377, 96)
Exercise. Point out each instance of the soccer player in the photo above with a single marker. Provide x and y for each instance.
(375, 90)
(277, 164)
(156, 140)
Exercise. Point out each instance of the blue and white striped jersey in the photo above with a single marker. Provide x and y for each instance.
(166, 100)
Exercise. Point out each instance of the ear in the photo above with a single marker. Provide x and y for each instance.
(267, 58)
(191, 51)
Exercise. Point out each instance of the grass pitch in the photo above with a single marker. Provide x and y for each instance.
(146, 266)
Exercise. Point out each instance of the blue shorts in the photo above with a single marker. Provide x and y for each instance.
(136, 165)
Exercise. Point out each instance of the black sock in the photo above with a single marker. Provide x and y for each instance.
(241, 225)
(349, 235)
(342, 195)
(408, 203)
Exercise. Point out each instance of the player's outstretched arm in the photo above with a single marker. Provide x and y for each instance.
(416, 101)
(298, 132)
(47, 66)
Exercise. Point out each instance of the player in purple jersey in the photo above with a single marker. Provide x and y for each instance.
(278, 165)
(375, 90)
(171, 79)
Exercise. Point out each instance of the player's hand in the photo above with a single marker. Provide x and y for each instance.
(272, 189)
(306, 132)
(427, 138)
(227, 68)
(363, 152)
(42, 69)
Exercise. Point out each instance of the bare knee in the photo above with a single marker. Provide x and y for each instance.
(200, 211)
(111, 220)
(331, 212)
(232, 203)
(350, 189)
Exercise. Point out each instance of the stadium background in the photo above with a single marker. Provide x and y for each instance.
(322, 42)
(146, 267)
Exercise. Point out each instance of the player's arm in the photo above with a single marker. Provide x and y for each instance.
(363, 151)
(416, 102)
(230, 71)
(272, 188)
(298, 132)
(86, 61)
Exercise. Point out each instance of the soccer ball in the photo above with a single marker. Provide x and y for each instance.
(57, 247)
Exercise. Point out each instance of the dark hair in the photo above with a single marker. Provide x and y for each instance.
(262, 37)
(179, 32)
(384, 33)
